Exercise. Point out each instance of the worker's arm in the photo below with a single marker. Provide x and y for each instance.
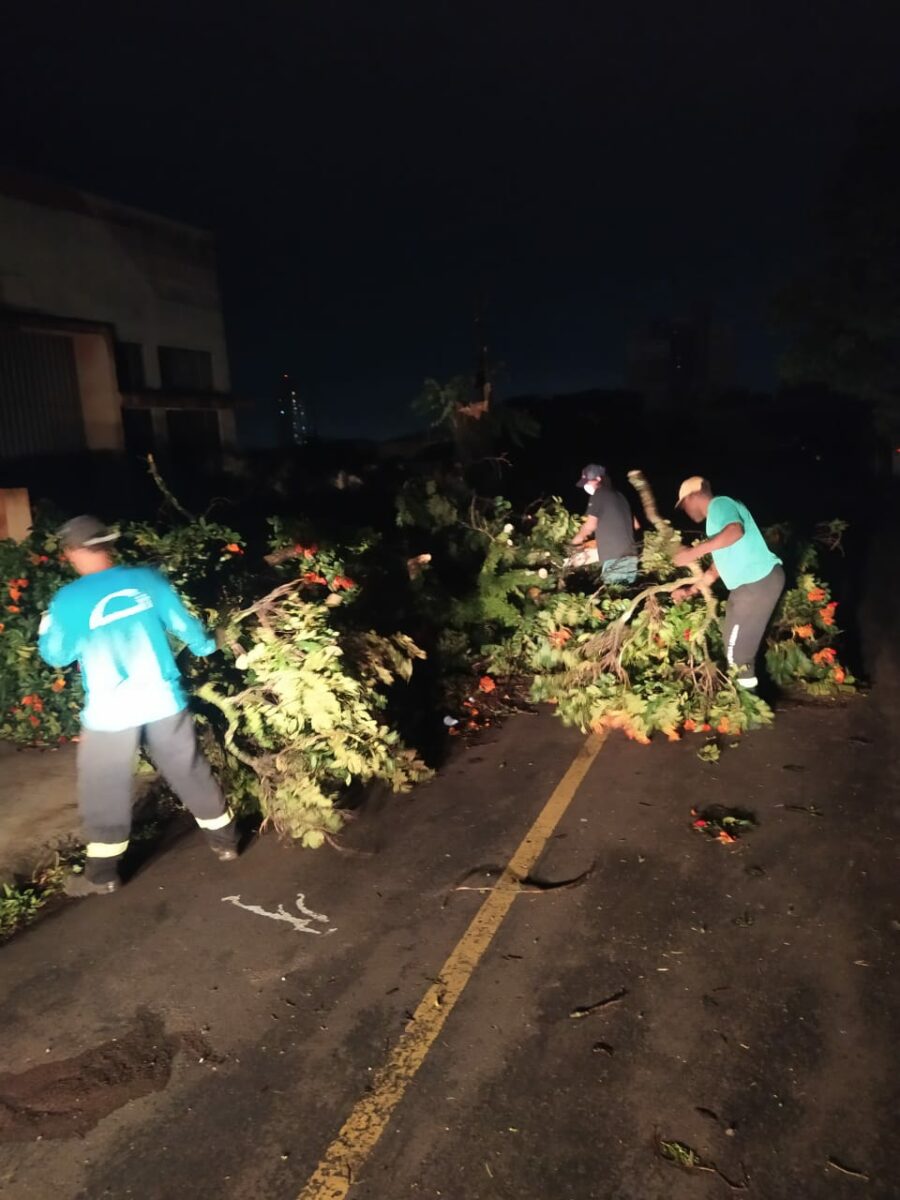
(56, 646)
(178, 621)
(707, 579)
(733, 532)
(588, 526)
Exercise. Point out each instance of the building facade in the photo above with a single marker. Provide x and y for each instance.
(111, 329)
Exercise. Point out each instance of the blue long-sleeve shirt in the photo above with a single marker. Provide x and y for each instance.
(115, 624)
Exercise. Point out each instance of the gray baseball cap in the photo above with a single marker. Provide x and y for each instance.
(591, 471)
(85, 533)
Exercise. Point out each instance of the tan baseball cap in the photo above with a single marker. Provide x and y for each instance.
(694, 484)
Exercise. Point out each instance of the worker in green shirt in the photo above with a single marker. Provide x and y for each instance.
(753, 575)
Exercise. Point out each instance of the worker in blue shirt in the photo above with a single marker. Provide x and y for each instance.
(753, 575)
(114, 621)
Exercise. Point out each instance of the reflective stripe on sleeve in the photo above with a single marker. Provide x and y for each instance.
(215, 822)
(106, 849)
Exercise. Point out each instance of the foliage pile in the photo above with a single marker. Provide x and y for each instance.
(293, 706)
(297, 705)
(306, 721)
(38, 704)
(801, 651)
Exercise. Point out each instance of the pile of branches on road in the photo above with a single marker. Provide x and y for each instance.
(322, 633)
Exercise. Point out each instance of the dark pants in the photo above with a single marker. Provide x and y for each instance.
(747, 615)
(106, 763)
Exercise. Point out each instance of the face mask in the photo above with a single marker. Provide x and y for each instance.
(590, 488)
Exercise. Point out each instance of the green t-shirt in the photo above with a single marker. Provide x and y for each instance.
(749, 559)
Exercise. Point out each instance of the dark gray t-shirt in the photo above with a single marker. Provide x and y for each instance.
(615, 531)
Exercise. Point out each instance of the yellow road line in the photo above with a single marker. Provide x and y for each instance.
(340, 1166)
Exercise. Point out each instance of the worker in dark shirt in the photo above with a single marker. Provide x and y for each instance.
(608, 519)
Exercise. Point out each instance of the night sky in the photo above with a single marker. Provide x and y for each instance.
(370, 169)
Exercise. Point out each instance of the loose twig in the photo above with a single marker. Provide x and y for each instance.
(587, 1009)
(833, 1162)
(164, 488)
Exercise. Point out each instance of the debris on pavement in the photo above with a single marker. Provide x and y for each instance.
(849, 1171)
(709, 753)
(587, 1009)
(725, 825)
(524, 883)
(680, 1154)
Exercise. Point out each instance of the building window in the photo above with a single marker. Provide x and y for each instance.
(130, 367)
(185, 370)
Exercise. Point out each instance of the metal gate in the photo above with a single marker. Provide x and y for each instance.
(40, 405)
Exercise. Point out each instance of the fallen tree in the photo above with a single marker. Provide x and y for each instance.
(296, 706)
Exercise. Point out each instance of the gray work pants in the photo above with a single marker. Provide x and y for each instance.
(747, 614)
(106, 763)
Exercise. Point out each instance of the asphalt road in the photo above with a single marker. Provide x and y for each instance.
(167, 1042)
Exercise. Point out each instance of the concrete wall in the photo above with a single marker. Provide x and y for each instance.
(101, 406)
(67, 254)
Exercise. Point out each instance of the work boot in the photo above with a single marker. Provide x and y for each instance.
(80, 885)
(223, 842)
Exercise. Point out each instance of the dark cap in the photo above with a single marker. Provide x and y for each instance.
(85, 533)
(591, 471)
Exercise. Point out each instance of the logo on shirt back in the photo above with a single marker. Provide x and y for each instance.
(101, 614)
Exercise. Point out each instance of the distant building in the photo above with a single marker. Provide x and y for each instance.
(293, 414)
(111, 330)
(681, 360)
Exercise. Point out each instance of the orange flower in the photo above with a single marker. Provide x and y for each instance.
(312, 577)
(14, 593)
(814, 595)
(690, 726)
(687, 635)
(802, 631)
(826, 655)
(705, 727)
(826, 616)
(486, 684)
(342, 583)
(723, 726)
(234, 548)
(57, 685)
(725, 837)
(13, 608)
(2, 626)
(839, 674)
(35, 721)
(560, 637)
